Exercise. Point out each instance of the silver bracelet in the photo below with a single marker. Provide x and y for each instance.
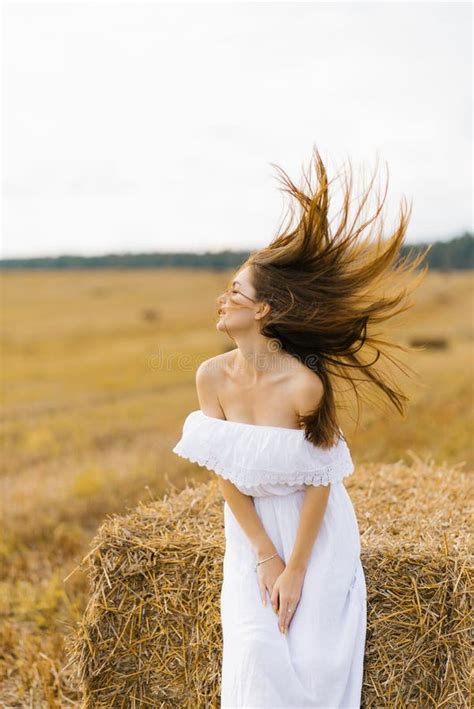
(267, 559)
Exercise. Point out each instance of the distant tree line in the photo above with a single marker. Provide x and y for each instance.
(456, 254)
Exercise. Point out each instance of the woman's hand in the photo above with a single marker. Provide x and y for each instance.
(286, 594)
(267, 574)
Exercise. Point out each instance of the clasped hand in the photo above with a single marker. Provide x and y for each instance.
(284, 586)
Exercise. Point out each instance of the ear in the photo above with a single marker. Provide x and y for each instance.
(262, 311)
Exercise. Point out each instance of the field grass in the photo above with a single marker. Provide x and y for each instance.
(97, 376)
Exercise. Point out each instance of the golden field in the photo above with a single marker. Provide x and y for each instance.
(97, 376)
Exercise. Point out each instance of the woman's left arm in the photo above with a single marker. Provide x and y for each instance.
(286, 591)
(311, 517)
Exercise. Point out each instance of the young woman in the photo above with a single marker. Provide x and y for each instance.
(300, 312)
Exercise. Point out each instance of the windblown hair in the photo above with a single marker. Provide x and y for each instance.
(328, 287)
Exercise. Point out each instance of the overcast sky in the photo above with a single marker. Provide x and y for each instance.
(153, 126)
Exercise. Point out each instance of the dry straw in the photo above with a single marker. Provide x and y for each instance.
(151, 634)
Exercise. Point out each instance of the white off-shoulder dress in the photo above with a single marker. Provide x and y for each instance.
(319, 662)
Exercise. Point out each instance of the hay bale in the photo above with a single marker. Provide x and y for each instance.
(417, 542)
(151, 633)
(430, 343)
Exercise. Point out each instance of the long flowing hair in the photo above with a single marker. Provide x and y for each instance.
(328, 287)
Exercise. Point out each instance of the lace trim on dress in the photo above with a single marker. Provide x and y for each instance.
(245, 477)
(251, 455)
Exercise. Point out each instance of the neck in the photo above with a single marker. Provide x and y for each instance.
(256, 355)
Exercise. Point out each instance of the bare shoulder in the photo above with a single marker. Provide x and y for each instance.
(208, 375)
(212, 369)
(307, 390)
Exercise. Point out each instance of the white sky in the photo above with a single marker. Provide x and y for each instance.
(153, 126)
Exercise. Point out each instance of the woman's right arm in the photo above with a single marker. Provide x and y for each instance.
(241, 505)
(244, 511)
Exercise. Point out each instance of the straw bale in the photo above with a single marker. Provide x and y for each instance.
(151, 635)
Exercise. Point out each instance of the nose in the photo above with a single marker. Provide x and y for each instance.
(222, 299)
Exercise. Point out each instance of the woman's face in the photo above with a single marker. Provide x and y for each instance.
(237, 305)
